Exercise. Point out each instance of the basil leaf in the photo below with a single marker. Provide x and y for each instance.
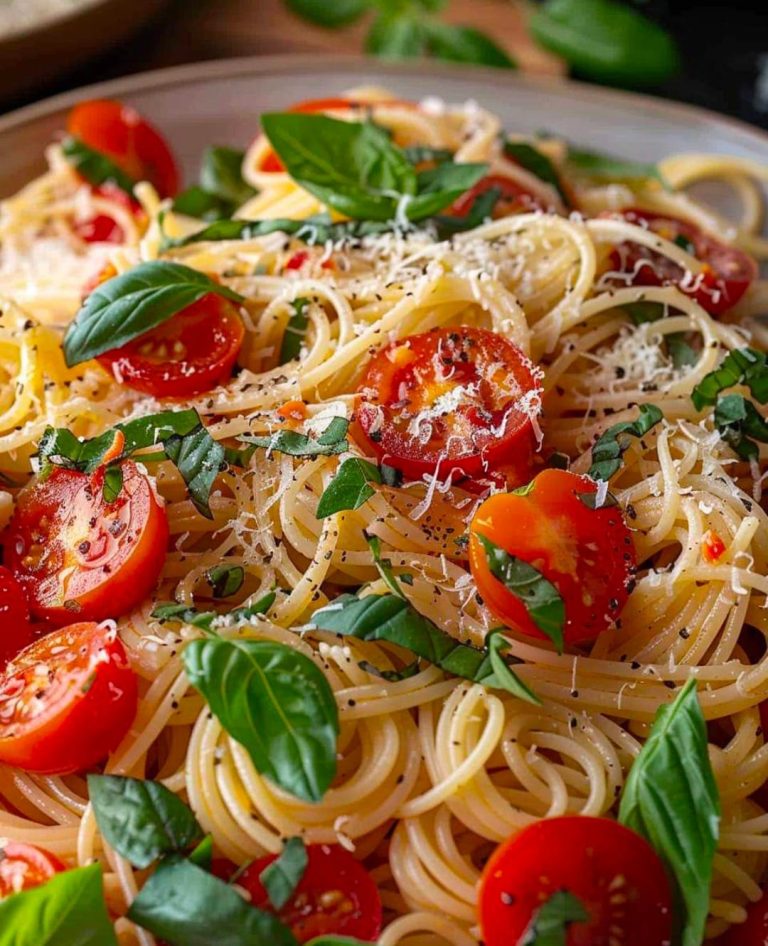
(337, 13)
(113, 483)
(605, 167)
(128, 305)
(613, 443)
(350, 166)
(391, 676)
(199, 459)
(440, 186)
(225, 580)
(550, 923)
(479, 213)
(535, 161)
(395, 35)
(383, 565)
(222, 174)
(606, 41)
(738, 420)
(671, 799)
(540, 597)
(590, 500)
(349, 488)
(295, 331)
(743, 366)
(205, 620)
(202, 855)
(141, 820)
(504, 678)
(423, 154)
(642, 312)
(186, 906)
(465, 44)
(196, 202)
(282, 876)
(331, 442)
(94, 166)
(276, 703)
(67, 910)
(681, 353)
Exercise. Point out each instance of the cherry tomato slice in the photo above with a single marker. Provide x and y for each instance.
(458, 401)
(103, 228)
(615, 873)
(120, 133)
(189, 354)
(78, 556)
(754, 931)
(336, 895)
(15, 630)
(728, 271)
(513, 199)
(586, 553)
(67, 700)
(23, 866)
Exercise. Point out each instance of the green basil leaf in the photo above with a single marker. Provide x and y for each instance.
(746, 366)
(206, 620)
(540, 597)
(423, 154)
(113, 483)
(479, 213)
(614, 442)
(295, 331)
(349, 488)
(671, 799)
(504, 678)
(141, 820)
(199, 459)
(465, 44)
(94, 166)
(391, 676)
(222, 174)
(440, 186)
(200, 203)
(681, 353)
(590, 500)
(128, 305)
(643, 312)
(396, 35)
(331, 442)
(535, 161)
(202, 855)
(337, 13)
(186, 906)
(276, 703)
(350, 166)
(550, 923)
(606, 41)
(67, 910)
(383, 565)
(607, 168)
(225, 580)
(740, 425)
(282, 876)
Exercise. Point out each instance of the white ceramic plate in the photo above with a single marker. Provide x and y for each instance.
(219, 102)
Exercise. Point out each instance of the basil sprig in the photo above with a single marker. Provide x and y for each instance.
(225, 580)
(282, 876)
(142, 820)
(207, 620)
(129, 305)
(94, 166)
(535, 161)
(67, 910)
(671, 799)
(550, 923)
(355, 168)
(745, 366)
(614, 442)
(276, 703)
(331, 442)
(222, 188)
(295, 331)
(608, 168)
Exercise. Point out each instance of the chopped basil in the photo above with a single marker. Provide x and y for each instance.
(295, 331)
(391, 676)
(349, 488)
(225, 580)
(535, 161)
(671, 799)
(550, 923)
(745, 366)
(282, 876)
(202, 855)
(142, 820)
(205, 620)
(128, 305)
(422, 154)
(331, 442)
(383, 565)
(614, 442)
(681, 353)
(605, 167)
(590, 500)
(276, 703)
(645, 311)
(504, 678)
(94, 166)
(740, 425)
(113, 483)
(540, 597)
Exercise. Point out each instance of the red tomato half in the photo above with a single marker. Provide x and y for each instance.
(586, 553)
(457, 400)
(514, 198)
(754, 932)
(614, 872)
(335, 896)
(77, 556)
(728, 271)
(15, 630)
(103, 228)
(23, 866)
(120, 133)
(67, 700)
(189, 354)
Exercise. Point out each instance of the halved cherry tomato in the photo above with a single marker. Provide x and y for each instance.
(67, 700)
(23, 866)
(103, 228)
(120, 133)
(189, 354)
(15, 630)
(78, 556)
(728, 271)
(616, 874)
(754, 931)
(513, 199)
(459, 401)
(586, 553)
(336, 895)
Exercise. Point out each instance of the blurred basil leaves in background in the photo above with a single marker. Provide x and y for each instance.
(607, 41)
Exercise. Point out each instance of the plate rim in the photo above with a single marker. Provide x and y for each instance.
(284, 63)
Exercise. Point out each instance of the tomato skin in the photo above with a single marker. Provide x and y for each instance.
(514, 198)
(15, 630)
(587, 857)
(728, 275)
(754, 931)
(586, 553)
(191, 353)
(67, 700)
(120, 133)
(454, 400)
(350, 906)
(23, 866)
(77, 556)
